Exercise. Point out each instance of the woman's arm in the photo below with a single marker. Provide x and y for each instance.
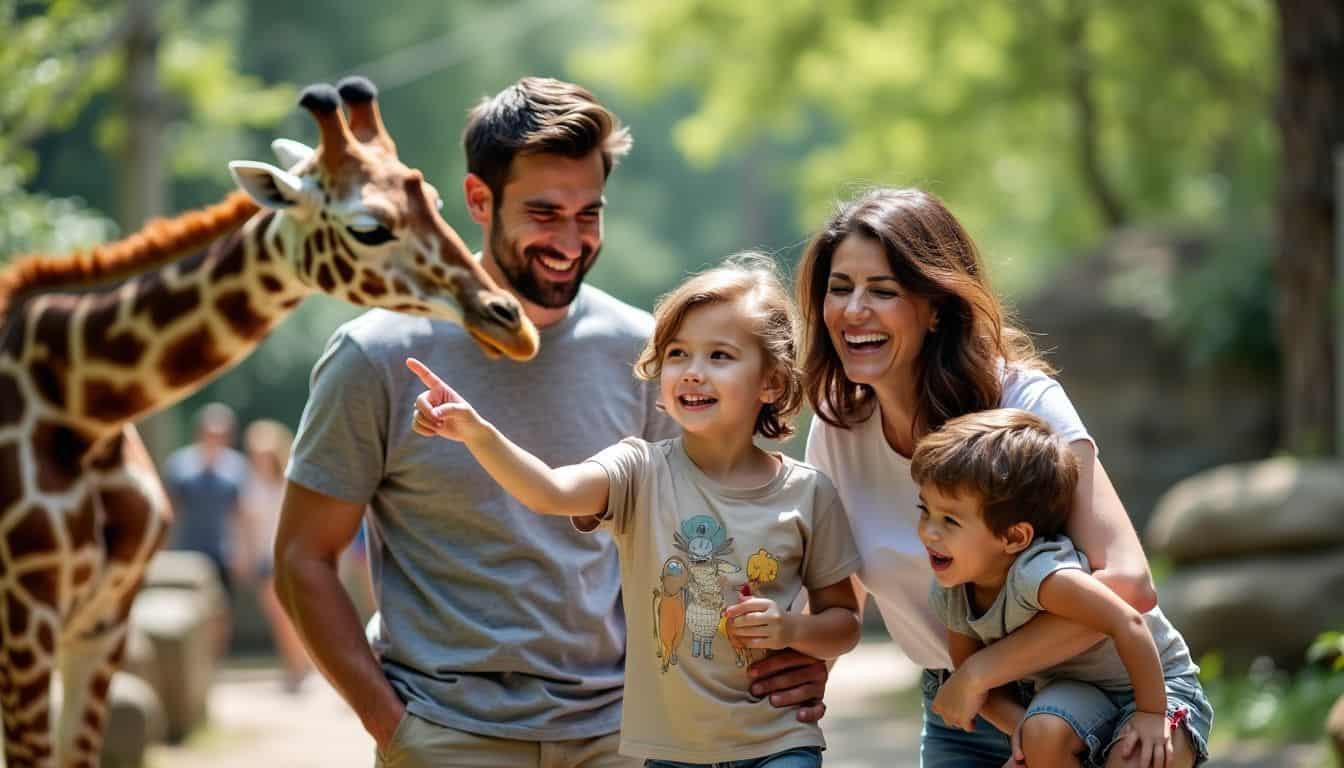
(1101, 528)
(577, 490)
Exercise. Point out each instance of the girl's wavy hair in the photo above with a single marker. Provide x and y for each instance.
(960, 364)
(751, 277)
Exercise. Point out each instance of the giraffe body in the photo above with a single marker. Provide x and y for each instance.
(93, 342)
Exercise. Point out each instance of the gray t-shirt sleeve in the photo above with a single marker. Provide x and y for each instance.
(1037, 563)
(624, 463)
(341, 446)
(949, 605)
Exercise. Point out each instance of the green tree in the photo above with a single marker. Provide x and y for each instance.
(1043, 122)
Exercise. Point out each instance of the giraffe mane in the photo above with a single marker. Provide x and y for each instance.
(159, 242)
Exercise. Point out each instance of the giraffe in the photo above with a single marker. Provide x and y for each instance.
(92, 342)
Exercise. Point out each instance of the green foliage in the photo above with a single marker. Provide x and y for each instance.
(984, 102)
(1271, 705)
(1328, 649)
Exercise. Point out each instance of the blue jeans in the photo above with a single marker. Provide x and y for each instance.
(798, 757)
(942, 746)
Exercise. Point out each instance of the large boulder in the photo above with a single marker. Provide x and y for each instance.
(1279, 505)
(1266, 605)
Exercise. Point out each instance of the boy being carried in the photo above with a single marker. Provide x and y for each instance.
(995, 491)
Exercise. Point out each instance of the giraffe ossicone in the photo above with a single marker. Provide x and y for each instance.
(93, 341)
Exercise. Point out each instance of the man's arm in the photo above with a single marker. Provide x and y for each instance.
(314, 530)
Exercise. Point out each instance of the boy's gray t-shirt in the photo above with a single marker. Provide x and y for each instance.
(493, 619)
(1019, 601)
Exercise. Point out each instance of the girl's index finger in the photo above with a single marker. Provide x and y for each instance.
(426, 376)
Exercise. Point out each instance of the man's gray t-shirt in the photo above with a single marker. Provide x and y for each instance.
(494, 620)
(1019, 601)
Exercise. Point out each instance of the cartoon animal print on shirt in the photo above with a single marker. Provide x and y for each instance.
(704, 541)
(762, 569)
(669, 609)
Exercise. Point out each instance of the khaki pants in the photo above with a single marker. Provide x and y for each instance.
(418, 743)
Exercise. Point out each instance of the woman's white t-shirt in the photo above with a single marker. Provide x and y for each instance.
(880, 500)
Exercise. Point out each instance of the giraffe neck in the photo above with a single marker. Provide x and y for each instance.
(115, 355)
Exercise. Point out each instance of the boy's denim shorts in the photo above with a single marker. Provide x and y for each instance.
(1097, 716)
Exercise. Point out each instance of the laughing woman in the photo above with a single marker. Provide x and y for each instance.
(901, 333)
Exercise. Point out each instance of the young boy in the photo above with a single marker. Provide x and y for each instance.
(995, 493)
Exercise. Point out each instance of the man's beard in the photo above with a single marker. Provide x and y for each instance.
(517, 268)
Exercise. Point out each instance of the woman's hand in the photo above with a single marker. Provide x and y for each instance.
(441, 411)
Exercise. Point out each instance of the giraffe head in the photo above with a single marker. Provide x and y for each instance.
(354, 222)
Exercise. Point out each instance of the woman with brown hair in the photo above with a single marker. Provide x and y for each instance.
(901, 333)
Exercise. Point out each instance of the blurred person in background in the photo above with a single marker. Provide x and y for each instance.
(205, 483)
(267, 445)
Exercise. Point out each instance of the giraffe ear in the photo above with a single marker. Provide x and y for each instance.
(267, 185)
(290, 152)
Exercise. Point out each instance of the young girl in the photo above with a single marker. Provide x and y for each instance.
(721, 533)
(995, 490)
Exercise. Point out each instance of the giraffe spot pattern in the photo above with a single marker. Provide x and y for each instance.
(108, 402)
(16, 615)
(42, 584)
(11, 405)
(232, 261)
(11, 475)
(164, 304)
(343, 268)
(242, 318)
(324, 279)
(128, 518)
(190, 358)
(272, 284)
(123, 348)
(31, 535)
(60, 451)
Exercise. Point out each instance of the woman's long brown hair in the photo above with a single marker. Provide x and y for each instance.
(960, 365)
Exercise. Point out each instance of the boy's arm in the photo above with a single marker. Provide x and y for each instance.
(577, 490)
(1001, 708)
(1078, 596)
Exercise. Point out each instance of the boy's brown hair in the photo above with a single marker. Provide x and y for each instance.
(1018, 469)
(750, 276)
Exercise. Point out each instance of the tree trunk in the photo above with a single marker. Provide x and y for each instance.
(143, 190)
(1310, 115)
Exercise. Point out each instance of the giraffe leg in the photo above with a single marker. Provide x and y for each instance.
(26, 667)
(86, 666)
(133, 525)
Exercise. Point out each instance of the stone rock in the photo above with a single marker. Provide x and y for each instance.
(1272, 605)
(1279, 505)
(135, 720)
(1334, 729)
(180, 624)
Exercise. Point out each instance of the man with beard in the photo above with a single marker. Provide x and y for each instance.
(500, 635)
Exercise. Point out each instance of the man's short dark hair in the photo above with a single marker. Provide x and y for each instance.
(1010, 460)
(539, 115)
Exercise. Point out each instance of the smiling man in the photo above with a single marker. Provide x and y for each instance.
(500, 639)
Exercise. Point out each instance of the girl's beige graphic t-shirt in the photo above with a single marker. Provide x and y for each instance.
(689, 546)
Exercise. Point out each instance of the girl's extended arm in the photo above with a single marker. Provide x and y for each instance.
(572, 491)
(831, 629)
(1078, 596)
